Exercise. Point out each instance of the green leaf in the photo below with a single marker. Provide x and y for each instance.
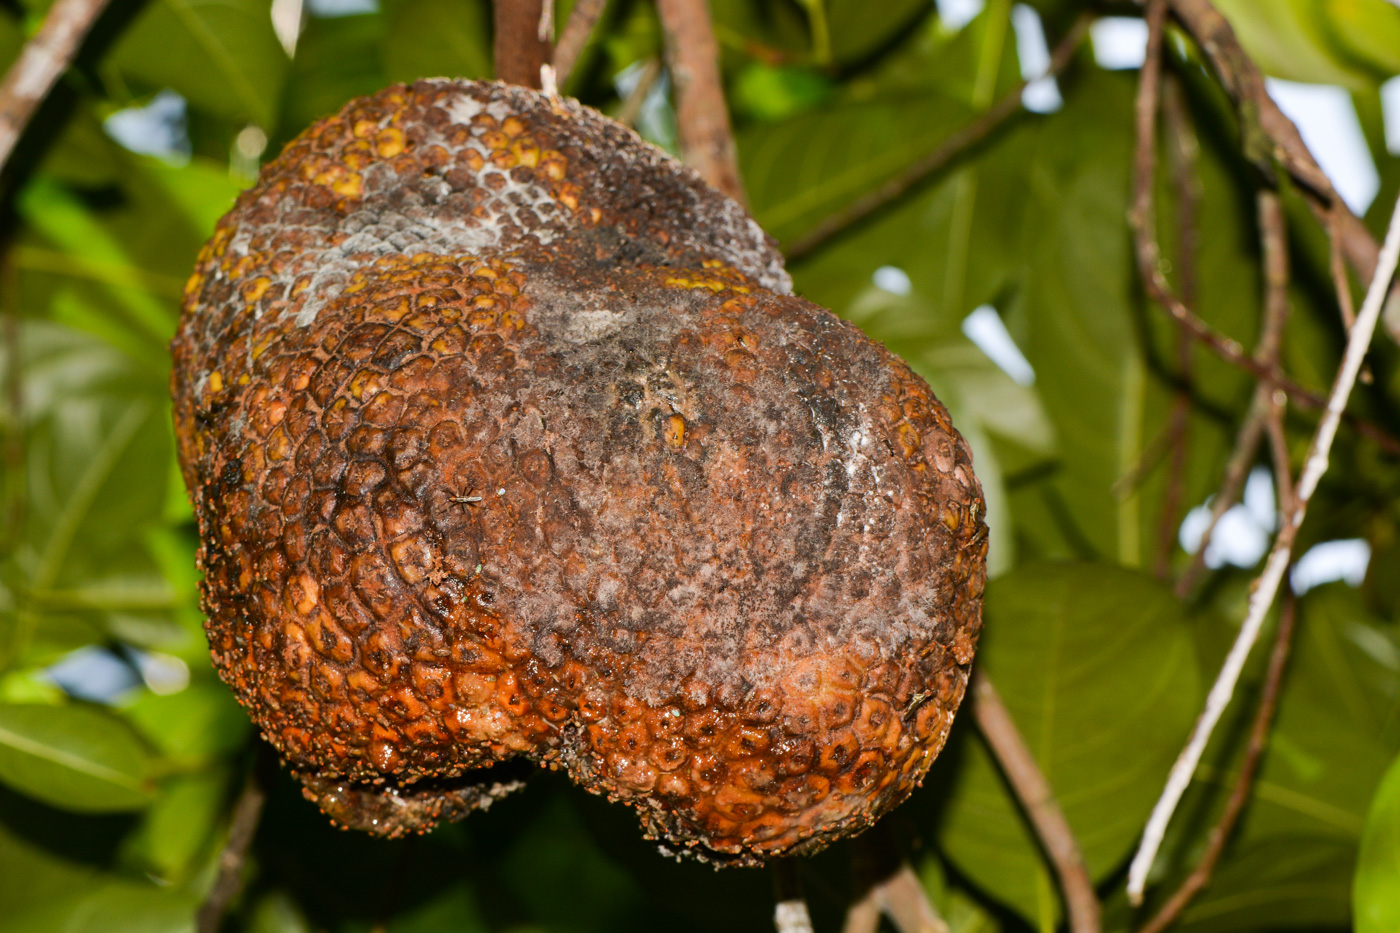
(196, 725)
(1097, 667)
(179, 826)
(1354, 43)
(221, 55)
(437, 38)
(337, 59)
(74, 757)
(1375, 894)
(859, 28)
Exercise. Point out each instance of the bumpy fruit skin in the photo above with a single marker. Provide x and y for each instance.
(505, 439)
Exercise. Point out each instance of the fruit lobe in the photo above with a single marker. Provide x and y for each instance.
(506, 439)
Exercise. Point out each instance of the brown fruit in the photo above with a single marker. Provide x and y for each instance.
(506, 438)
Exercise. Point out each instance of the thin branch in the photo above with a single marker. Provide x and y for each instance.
(1244, 784)
(1266, 407)
(955, 145)
(1184, 153)
(545, 32)
(1262, 596)
(891, 888)
(1273, 233)
(518, 49)
(1033, 791)
(40, 62)
(574, 38)
(702, 115)
(790, 913)
(244, 826)
(631, 107)
(1270, 136)
(1236, 471)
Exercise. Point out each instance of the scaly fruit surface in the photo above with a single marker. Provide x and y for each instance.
(506, 439)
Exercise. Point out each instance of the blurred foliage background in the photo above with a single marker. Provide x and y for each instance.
(121, 754)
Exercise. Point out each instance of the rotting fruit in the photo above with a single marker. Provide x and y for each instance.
(506, 438)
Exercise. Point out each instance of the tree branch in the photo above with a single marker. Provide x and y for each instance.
(1244, 784)
(40, 62)
(244, 826)
(1266, 586)
(702, 114)
(955, 145)
(1034, 793)
(1270, 136)
(572, 40)
(518, 49)
(1184, 154)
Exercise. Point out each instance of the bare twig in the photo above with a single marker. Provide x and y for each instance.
(702, 116)
(631, 108)
(1244, 784)
(790, 915)
(1266, 408)
(955, 145)
(572, 40)
(1270, 136)
(40, 62)
(1034, 793)
(1184, 152)
(545, 32)
(1262, 596)
(1273, 235)
(1236, 470)
(519, 51)
(244, 826)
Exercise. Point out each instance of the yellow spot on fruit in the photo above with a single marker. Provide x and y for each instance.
(351, 186)
(675, 431)
(389, 142)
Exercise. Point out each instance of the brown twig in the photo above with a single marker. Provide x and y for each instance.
(901, 897)
(1273, 234)
(955, 145)
(519, 51)
(1270, 136)
(1266, 408)
(1236, 471)
(40, 62)
(1033, 791)
(1244, 784)
(702, 115)
(1148, 251)
(888, 886)
(243, 827)
(572, 40)
(1265, 587)
(1184, 153)
(631, 108)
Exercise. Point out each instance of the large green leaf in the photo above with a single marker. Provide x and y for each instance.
(220, 55)
(1376, 895)
(1355, 43)
(1097, 667)
(437, 39)
(337, 59)
(75, 757)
